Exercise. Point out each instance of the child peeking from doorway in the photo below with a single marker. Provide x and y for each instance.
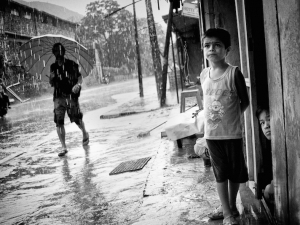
(225, 98)
(263, 116)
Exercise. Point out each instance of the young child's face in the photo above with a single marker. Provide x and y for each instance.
(264, 121)
(214, 49)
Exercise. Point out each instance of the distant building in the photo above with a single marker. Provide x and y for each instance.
(18, 24)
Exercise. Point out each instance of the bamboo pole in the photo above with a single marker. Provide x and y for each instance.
(138, 53)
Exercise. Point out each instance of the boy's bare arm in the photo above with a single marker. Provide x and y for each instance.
(241, 90)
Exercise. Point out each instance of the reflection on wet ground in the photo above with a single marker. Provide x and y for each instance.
(41, 188)
(85, 201)
(32, 189)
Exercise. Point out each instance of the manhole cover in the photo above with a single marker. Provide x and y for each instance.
(131, 165)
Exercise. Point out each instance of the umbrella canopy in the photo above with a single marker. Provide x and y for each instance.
(36, 55)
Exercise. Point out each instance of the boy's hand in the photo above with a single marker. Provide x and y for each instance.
(76, 88)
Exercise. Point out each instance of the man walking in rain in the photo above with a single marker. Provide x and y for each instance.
(66, 80)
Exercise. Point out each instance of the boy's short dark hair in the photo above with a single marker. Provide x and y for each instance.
(63, 50)
(220, 33)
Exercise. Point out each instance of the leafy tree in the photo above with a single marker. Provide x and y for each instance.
(145, 47)
(113, 33)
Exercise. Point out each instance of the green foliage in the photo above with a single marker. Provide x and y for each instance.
(114, 36)
(113, 33)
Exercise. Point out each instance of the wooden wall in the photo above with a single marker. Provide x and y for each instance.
(225, 17)
(282, 23)
(274, 65)
(289, 30)
(280, 40)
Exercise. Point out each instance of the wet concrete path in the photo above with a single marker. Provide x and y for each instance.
(38, 187)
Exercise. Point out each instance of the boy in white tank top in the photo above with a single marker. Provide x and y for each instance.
(225, 98)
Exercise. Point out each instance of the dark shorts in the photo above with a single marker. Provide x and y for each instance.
(63, 105)
(227, 159)
(3, 111)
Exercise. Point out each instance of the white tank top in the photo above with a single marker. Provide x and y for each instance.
(222, 112)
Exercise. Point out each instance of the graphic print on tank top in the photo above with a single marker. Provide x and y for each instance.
(221, 105)
(215, 114)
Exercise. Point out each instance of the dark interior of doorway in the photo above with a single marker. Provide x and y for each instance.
(257, 47)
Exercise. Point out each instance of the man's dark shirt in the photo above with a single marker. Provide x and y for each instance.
(66, 77)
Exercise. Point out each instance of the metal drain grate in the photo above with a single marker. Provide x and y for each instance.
(128, 166)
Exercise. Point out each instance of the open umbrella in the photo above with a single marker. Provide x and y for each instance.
(36, 55)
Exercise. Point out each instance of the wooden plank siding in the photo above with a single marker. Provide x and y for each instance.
(209, 15)
(225, 16)
(289, 24)
(274, 67)
(244, 61)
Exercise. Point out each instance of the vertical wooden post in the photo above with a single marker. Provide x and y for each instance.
(253, 99)
(201, 31)
(138, 53)
(276, 86)
(174, 65)
(165, 56)
(201, 18)
(289, 33)
(179, 61)
(155, 48)
(208, 14)
(244, 58)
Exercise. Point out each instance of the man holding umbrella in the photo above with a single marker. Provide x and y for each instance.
(66, 80)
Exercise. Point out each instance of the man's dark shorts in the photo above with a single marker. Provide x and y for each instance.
(228, 160)
(63, 104)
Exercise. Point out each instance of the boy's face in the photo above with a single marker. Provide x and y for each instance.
(214, 49)
(264, 121)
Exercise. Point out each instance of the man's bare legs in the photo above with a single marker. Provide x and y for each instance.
(82, 128)
(62, 135)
